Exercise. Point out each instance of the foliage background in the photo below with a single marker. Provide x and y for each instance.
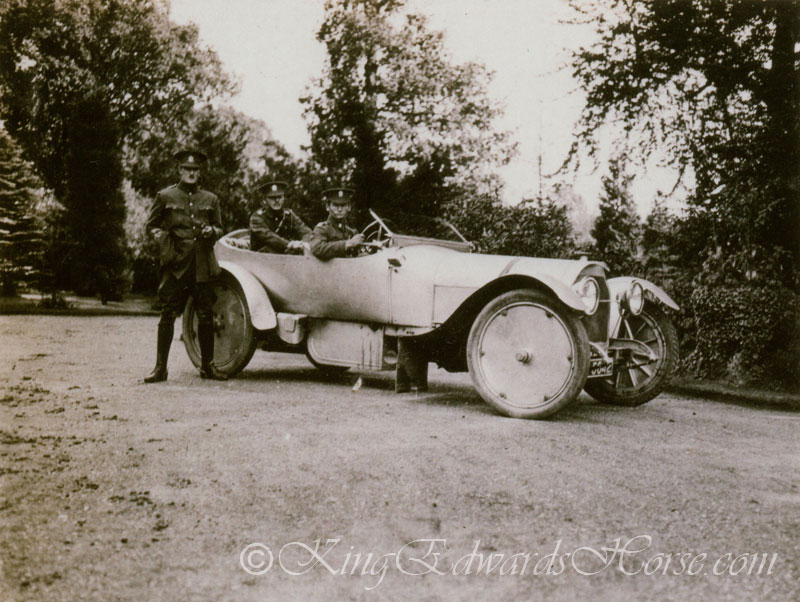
(96, 95)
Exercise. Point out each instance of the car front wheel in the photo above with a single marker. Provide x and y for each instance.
(234, 335)
(527, 354)
(644, 363)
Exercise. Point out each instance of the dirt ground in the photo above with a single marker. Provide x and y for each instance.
(115, 490)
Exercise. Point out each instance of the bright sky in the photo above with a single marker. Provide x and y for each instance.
(270, 45)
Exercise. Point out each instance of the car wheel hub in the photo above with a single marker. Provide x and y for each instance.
(524, 356)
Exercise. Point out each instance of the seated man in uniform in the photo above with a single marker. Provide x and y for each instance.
(333, 237)
(274, 229)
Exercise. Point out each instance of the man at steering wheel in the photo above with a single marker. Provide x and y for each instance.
(333, 237)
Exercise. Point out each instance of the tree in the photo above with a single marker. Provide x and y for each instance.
(21, 242)
(128, 53)
(394, 116)
(579, 216)
(713, 85)
(534, 228)
(97, 206)
(140, 72)
(616, 229)
(658, 259)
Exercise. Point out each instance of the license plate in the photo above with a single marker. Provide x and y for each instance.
(599, 368)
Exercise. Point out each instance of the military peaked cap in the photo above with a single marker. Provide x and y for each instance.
(190, 157)
(345, 194)
(275, 188)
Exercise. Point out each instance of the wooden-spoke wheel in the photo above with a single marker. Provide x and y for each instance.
(645, 352)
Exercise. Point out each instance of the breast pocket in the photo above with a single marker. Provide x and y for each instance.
(174, 215)
(205, 215)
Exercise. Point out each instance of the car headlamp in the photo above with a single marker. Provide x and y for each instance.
(636, 299)
(589, 292)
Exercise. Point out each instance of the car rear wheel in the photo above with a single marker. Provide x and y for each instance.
(527, 354)
(234, 335)
(642, 371)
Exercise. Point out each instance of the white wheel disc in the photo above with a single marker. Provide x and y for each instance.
(526, 355)
(229, 325)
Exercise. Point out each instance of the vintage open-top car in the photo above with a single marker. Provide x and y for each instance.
(532, 332)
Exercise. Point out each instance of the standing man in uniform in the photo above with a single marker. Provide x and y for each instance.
(274, 229)
(185, 221)
(333, 237)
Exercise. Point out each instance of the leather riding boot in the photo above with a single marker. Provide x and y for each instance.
(205, 336)
(159, 373)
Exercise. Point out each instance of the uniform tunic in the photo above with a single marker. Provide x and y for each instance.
(329, 239)
(271, 231)
(176, 219)
(188, 264)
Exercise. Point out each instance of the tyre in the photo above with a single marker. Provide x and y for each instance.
(234, 335)
(638, 375)
(527, 354)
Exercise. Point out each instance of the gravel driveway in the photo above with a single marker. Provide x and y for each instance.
(115, 490)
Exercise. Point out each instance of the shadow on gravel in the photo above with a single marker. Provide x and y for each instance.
(439, 394)
(294, 374)
(383, 382)
(457, 398)
(585, 410)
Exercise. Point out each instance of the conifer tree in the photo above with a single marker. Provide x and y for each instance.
(21, 242)
(616, 229)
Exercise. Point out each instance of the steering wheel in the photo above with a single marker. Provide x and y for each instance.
(376, 235)
(374, 232)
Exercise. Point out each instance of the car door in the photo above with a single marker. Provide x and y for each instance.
(355, 289)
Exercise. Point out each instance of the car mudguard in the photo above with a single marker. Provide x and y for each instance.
(619, 285)
(262, 314)
(505, 283)
(564, 293)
